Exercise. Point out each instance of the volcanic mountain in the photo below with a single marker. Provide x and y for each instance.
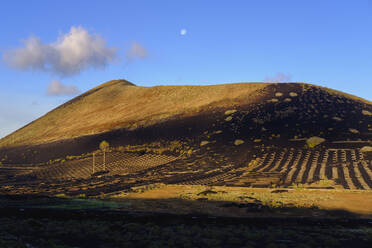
(243, 134)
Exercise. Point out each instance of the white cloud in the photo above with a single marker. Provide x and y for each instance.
(279, 78)
(136, 50)
(56, 88)
(183, 31)
(69, 55)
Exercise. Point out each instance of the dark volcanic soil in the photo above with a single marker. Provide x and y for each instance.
(260, 145)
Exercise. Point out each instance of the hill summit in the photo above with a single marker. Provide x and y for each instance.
(120, 104)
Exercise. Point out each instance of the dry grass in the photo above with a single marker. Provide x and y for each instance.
(117, 104)
(120, 104)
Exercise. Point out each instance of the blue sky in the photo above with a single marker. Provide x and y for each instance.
(325, 42)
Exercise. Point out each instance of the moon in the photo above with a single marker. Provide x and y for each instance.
(183, 31)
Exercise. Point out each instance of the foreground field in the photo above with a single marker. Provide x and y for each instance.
(241, 201)
(108, 229)
(160, 215)
(214, 201)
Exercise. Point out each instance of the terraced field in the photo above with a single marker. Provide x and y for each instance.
(116, 164)
(327, 168)
(332, 168)
(346, 167)
(286, 167)
(9, 171)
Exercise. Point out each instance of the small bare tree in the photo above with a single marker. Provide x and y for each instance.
(104, 145)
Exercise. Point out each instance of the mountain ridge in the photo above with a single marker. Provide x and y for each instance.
(125, 114)
(111, 90)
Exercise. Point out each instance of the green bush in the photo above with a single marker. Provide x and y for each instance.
(81, 196)
(61, 195)
(104, 145)
(314, 141)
